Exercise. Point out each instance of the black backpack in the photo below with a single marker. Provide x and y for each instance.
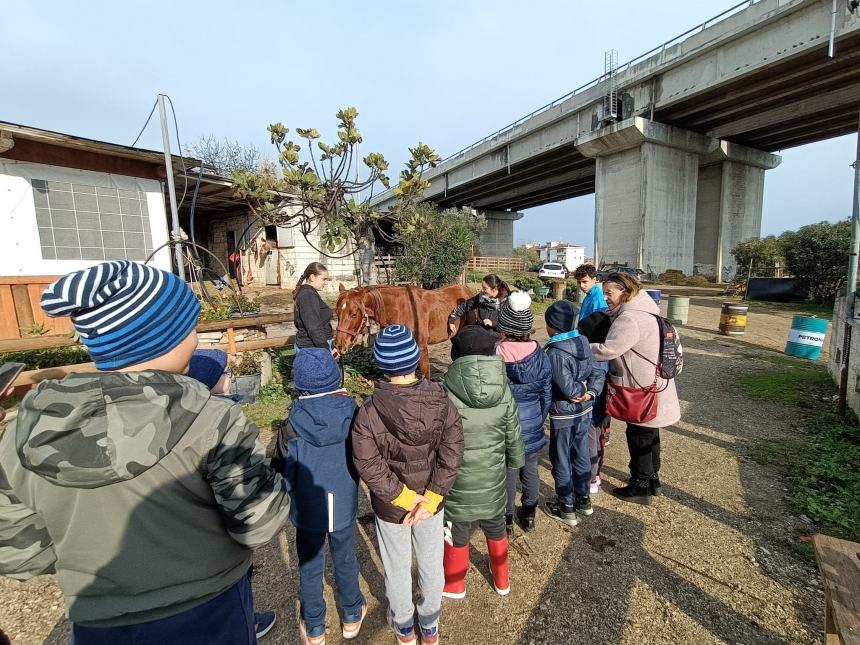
(670, 359)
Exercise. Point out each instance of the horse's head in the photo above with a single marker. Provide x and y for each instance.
(351, 318)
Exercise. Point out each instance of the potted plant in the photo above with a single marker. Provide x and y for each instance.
(246, 376)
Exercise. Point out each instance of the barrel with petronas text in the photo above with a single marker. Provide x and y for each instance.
(733, 319)
(806, 337)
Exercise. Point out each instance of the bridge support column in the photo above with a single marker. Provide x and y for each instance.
(728, 205)
(498, 238)
(646, 184)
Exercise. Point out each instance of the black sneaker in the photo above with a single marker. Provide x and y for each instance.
(637, 491)
(561, 512)
(583, 505)
(655, 486)
(509, 525)
(526, 517)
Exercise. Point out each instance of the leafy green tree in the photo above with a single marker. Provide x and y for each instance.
(317, 189)
(528, 255)
(817, 256)
(437, 244)
(764, 253)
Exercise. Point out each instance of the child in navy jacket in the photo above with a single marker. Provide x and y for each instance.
(313, 454)
(577, 380)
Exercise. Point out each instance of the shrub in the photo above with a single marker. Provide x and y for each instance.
(247, 363)
(528, 282)
(817, 256)
(38, 359)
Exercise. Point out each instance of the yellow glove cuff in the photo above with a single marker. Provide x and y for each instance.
(435, 500)
(405, 500)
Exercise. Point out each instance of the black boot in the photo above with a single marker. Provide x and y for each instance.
(526, 516)
(637, 491)
(655, 485)
(509, 525)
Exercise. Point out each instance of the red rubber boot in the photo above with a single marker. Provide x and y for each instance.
(456, 562)
(498, 550)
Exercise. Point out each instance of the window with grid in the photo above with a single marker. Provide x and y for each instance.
(79, 222)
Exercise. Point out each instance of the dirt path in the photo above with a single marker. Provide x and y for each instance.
(710, 562)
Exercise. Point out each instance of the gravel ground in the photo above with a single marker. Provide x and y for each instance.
(710, 562)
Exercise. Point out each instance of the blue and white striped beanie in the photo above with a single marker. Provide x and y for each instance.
(395, 351)
(126, 313)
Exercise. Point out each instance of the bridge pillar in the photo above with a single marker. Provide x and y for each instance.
(646, 184)
(728, 205)
(498, 238)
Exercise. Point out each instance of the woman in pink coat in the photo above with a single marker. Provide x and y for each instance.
(632, 347)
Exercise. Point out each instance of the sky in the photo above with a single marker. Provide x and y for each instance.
(446, 73)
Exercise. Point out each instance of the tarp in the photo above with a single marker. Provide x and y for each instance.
(775, 290)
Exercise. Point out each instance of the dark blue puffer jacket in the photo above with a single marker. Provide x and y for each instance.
(531, 383)
(574, 373)
(313, 453)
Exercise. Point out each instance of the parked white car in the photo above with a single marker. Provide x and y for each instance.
(552, 270)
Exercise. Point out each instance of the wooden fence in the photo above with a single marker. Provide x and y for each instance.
(232, 346)
(495, 264)
(20, 311)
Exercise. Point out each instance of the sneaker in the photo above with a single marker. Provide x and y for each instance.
(561, 512)
(429, 635)
(595, 486)
(318, 639)
(263, 622)
(405, 635)
(583, 505)
(352, 627)
(509, 525)
(637, 491)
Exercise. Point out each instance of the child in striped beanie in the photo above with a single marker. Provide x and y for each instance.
(407, 443)
(133, 446)
(530, 377)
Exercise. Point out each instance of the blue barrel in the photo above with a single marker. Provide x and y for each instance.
(655, 295)
(806, 337)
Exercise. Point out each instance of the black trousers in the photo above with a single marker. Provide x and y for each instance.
(644, 446)
(494, 529)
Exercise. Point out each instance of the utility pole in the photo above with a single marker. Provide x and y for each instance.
(176, 233)
(851, 285)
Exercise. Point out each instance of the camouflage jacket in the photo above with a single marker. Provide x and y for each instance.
(140, 490)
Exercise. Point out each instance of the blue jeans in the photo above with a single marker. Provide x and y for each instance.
(226, 619)
(570, 456)
(310, 547)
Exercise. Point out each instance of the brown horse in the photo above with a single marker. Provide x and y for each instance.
(424, 311)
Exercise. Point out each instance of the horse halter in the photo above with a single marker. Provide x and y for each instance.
(380, 307)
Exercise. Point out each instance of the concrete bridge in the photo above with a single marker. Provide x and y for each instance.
(679, 172)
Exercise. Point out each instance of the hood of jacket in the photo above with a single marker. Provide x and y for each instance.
(478, 381)
(640, 302)
(529, 369)
(411, 412)
(92, 430)
(575, 345)
(311, 418)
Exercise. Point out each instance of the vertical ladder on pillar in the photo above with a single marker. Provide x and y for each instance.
(610, 97)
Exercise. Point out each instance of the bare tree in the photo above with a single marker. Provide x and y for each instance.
(225, 156)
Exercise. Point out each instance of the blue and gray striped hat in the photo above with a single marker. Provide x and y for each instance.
(395, 351)
(125, 312)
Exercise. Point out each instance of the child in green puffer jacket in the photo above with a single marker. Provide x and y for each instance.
(477, 384)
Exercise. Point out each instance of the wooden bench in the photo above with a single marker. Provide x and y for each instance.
(839, 562)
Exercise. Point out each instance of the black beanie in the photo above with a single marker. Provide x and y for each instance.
(473, 340)
(595, 327)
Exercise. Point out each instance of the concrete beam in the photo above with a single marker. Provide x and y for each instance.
(728, 151)
(632, 133)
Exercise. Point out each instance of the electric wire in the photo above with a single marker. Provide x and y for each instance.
(151, 112)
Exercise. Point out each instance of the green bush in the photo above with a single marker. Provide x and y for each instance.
(817, 256)
(437, 244)
(38, 359)
(527, 282)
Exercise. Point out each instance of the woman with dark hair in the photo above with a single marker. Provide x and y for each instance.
(494, 291)
(632, 347)
(312, 315)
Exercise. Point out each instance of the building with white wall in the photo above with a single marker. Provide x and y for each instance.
(569, 255)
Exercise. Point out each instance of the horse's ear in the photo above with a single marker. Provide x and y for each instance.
(341, 288)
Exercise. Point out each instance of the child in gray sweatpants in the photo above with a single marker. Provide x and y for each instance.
(407, 445)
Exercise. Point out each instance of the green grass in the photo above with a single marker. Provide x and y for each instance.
(789, 381)
(822, 460)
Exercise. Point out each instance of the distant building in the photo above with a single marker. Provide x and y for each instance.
(570, 255)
